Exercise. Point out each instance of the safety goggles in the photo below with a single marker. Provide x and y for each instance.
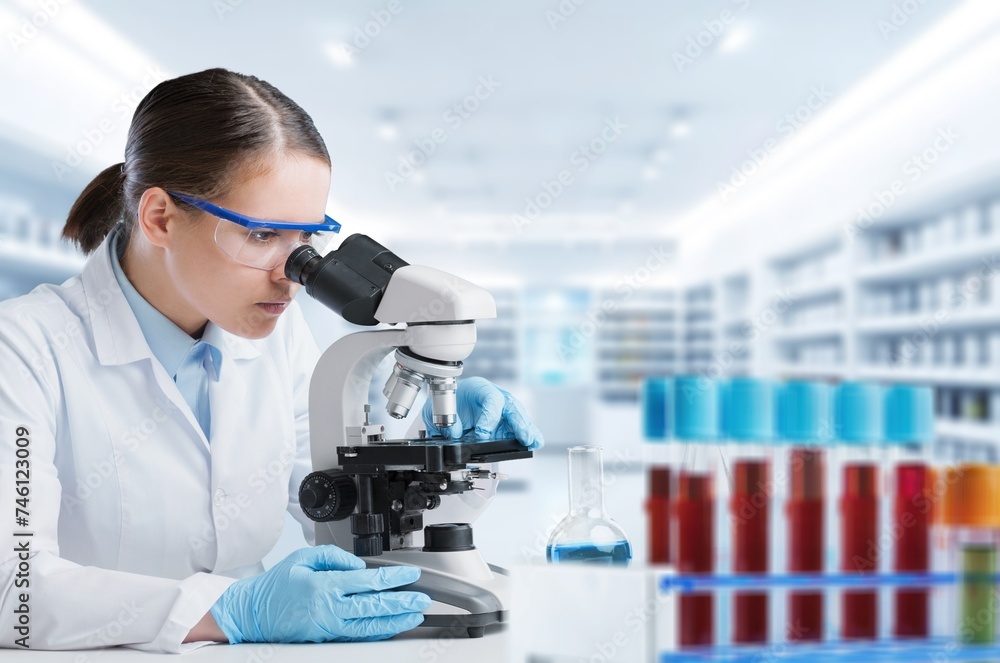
(261, 243)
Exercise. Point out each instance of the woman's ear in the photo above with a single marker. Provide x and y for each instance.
(158, 217)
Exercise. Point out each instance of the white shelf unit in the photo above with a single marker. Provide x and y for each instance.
(639, 339)
(809, 334)
(700, 328)
(929, 313)
(735, 352)
(914, 298)
(31, 250)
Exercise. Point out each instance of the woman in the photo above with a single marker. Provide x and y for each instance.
(153, 410)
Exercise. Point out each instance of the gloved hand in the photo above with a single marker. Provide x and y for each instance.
(320, 594)
(489, 410)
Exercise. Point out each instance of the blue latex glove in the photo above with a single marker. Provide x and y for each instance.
(320, 594)
(488, 410)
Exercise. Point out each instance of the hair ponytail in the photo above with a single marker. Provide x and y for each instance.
(97, 210)
(198, 133)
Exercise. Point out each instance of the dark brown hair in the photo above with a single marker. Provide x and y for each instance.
(198, 134)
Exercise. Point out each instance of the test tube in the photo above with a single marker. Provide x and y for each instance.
(657, 424)
(723, 489)
(804, 421)
(909, 426)
(858, 425)
(749, 420)
(971, 513)
(696, 411)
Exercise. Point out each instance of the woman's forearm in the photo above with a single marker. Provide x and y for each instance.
(206, 629)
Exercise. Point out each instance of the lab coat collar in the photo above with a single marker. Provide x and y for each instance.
(231, 345)
(118, 339)
(170, 344)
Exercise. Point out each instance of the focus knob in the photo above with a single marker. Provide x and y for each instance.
(368, 546)
(367, 530)
(366, 524)
(329, 495)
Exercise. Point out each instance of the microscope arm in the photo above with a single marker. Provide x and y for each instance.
(338, 390)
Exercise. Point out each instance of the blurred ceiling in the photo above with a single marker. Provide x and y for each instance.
(556, 81)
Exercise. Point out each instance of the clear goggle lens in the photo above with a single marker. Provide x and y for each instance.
(265, 248)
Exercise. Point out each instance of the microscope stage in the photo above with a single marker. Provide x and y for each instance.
(432, 454)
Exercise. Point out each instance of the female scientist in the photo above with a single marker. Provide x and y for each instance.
(153, 410)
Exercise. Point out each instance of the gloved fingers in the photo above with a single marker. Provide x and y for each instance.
(489, 401)
(533, 438)
(373, 580)
(379, 628)
(386, 604)
(524, 430)
(456, 430)
(326, 558)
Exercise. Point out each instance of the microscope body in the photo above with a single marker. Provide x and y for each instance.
(368, 494)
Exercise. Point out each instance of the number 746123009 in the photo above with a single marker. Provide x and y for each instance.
(22, 476)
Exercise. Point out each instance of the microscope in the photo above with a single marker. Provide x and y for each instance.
(370, 494)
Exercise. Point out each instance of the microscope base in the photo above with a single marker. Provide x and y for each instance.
(468, 593)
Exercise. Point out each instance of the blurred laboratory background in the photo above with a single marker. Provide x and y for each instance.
(772, 188)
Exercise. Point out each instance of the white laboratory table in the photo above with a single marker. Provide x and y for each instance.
(516, 522)
(427, 645)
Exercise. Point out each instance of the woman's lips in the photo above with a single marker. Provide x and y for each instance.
(273, 308)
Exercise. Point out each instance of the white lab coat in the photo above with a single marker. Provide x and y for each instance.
(139, 524)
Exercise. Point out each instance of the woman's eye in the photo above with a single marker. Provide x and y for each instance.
(263, 236)
(307, 236)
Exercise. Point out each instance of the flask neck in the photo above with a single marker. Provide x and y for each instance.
(586, 480)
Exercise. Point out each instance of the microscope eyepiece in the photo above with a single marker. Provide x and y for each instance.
(350, 281)
(301, 263)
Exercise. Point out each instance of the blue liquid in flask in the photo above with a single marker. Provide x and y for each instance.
(616, 553)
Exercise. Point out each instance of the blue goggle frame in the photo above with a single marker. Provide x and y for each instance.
(328, 225)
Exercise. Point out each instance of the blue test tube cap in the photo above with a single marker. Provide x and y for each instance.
(696, 408)
(657, 423)
(722, 388)
(909, 414)
(857, 412)
(748, 405)
(804, 412)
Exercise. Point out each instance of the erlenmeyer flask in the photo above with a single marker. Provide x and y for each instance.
(587, 533)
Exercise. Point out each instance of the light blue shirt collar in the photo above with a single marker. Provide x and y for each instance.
(169, 343)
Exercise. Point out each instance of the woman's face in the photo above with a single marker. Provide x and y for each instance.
(243, 300)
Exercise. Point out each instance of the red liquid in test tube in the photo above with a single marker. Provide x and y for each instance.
(658, 513)
(750, 517)
(806, 527)
(694, 544)
(911, 553)
(859, 551)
